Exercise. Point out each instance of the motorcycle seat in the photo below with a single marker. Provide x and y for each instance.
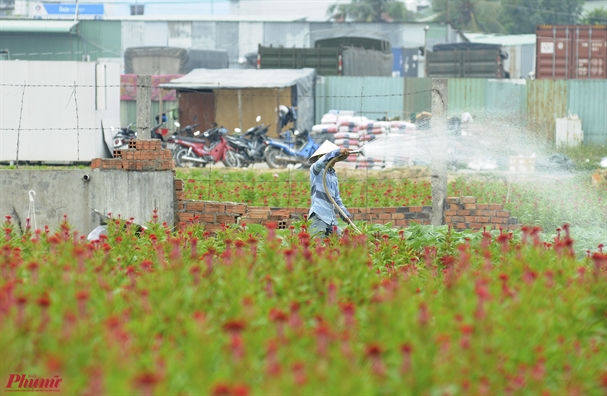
(191, 139)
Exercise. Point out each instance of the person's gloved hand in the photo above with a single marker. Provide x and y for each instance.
(350, 216)
(343, 154)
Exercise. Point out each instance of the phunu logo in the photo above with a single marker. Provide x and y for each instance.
(24, 382)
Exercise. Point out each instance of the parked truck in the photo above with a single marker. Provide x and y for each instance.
(172, 60)
(334, 53)
(472, 60)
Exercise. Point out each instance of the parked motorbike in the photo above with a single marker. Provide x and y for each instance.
(187, 131)
(210, 149)
(122, 138)
(294, 147)
(251, 145)
(156, 131)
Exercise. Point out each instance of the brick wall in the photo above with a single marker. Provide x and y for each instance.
(461, 213)
(142, 155)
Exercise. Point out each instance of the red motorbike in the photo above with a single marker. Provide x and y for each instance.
(212, 148)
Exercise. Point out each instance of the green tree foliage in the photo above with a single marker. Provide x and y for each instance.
(471, 15)
(509, 16)
(598, 16)
(522, 16)
(370, 11)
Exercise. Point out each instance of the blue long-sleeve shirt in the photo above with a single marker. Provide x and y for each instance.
(321, 204)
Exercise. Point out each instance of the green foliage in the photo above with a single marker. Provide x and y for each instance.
(415, 311)
(370, 11)
(522, 16)
(509, 16)
(471, 15)
(598, 16)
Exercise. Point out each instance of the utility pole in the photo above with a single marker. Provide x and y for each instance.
(144, 102)
(448, 19)
(439, 150)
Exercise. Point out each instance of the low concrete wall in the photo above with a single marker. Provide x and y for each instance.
(64, 192)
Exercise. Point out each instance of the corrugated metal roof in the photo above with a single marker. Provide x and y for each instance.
(507, 97)
(546, 101)
(207, 18)
(418, 95)
(511, 39)
(373, 97)
(467, 94)
(588, 99)
(36, 26)
(238, 78)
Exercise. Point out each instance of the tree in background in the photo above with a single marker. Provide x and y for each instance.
(508, 16)
(370, 11)
(598, 16)
(522, 16)
(471, 15)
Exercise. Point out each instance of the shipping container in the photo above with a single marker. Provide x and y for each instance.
(571, 52)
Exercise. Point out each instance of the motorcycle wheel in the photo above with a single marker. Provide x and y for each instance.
(179, 162)
(271, 160)
(232, 160)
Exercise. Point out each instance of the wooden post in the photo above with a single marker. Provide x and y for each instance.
(144, 101)
(277, 113)
(240, 110)
(160, 108)
(439, 150)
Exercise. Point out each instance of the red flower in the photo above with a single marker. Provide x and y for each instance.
(44, 301)
(234, 326)
(221, 390)
(277, 315)
(82, 295)
(406, 348)
(146, 378)
(373, 350)
(467, 329)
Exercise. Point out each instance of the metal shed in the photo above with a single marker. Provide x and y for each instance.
(233, 98)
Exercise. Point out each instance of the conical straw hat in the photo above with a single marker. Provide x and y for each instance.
(324, 148)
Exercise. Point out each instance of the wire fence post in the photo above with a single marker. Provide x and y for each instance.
(19, 128)
(77, 122)
(144, 102)
(439, 150)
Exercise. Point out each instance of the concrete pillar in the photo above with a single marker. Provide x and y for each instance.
(439, 150)
(144, 103)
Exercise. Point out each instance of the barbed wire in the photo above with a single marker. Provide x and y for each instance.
(245, 94)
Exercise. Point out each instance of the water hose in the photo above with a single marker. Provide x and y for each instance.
(324, 184)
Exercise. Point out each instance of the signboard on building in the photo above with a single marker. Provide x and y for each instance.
(67, 11)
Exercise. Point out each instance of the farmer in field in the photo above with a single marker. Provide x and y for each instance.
(322, 211)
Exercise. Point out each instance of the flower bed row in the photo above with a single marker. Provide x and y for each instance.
(258, 311)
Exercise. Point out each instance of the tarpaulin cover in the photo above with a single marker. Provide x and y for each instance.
(350, 37)
(171, 60)
(362, 62)
(128, 87)
(469, 46)
(304, 79)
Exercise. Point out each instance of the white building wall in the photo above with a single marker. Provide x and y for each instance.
(56, 122)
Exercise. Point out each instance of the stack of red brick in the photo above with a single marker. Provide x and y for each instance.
(460, 213)
(142, 155)
(464, 213)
